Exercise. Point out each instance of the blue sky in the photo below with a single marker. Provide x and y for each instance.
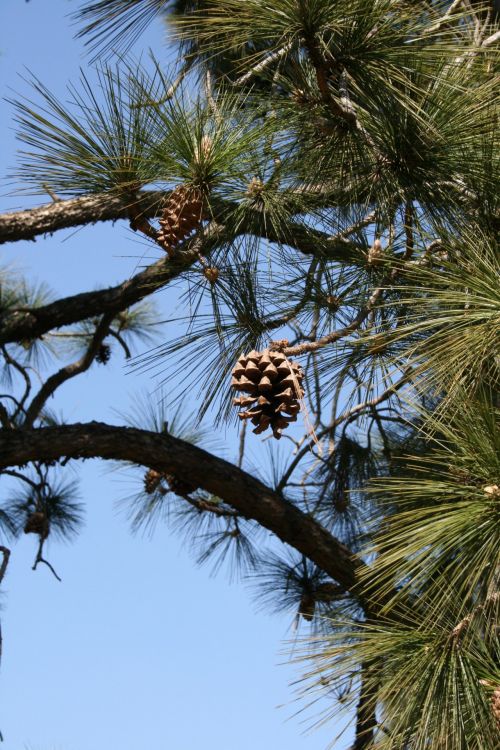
(136, 647)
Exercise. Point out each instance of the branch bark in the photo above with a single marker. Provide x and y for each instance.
(63, 214)
(165, 453)
(49, 218)
(366, 721)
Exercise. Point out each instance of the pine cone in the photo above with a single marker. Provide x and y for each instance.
(274, 387)
(103, 354)
(183, 212)
(307, 606)
(37, 523)
(211, 273)
(152, 480)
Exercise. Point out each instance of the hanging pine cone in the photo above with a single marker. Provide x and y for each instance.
(152, 480)
(37, 523)
(211, 273)
(307, 606)
(274, 387)
(183, 212)
(103, 354)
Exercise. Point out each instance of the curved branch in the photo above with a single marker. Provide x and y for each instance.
(67, 372)
(165, 453)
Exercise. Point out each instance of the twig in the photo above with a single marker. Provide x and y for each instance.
(23, 372)
(65, 373)
(242, 444)
(5, 561)
(50, 192)
(491, 39)
(40, 559)
(330, 338)
(366, 221)
(123, 344)
(444, 19)
(348, 416)
(170, 92)
(22, 477)
(263, 64)
(207, 506)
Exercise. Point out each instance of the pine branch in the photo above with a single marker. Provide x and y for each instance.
(366, 720)
(165, 453)
(63, 214)
(33, 323)
(70, 371)
(51, 217)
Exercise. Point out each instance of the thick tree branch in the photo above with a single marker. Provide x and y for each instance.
(165, 453)
(89, 209)
(49, 218)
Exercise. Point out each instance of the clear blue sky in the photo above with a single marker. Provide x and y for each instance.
(137, 647)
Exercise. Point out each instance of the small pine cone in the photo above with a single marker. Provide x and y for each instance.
(211, 273)
(307, 606)
(37, 523)
(103, 354)
(179, 486)
(182, 213)
(152, 481)
(375, 255)
(273, 385)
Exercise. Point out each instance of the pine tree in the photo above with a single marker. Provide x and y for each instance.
(330, 194)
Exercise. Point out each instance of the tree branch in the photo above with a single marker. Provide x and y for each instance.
(33, 323)
(88, 209)
(165, 453)
(366, 721)
(27, 225)
(3, 567)
(70, 371)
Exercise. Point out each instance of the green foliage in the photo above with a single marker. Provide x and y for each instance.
(118, 23)
(56, 499)
(94, 144)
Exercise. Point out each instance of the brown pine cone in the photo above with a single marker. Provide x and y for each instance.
(182, 213)
(37, 523)
(152, 480)
(273, 385)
